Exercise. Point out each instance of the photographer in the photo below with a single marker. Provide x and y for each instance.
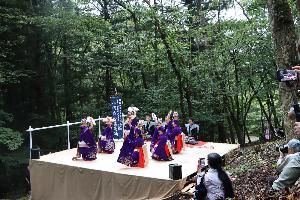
(291, 165)
(215, 183)
(287, 153)
(289, 175)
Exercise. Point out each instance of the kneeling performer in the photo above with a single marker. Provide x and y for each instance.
(87, 147)
(161, 150)
(106, 142)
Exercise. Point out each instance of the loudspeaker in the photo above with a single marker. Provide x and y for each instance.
(35, 153)
(175, 171)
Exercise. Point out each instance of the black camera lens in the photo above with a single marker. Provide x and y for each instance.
(282, 148)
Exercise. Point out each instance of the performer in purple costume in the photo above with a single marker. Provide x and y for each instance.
(155, 134)
(106, 142)
(128, 156)
(87, 147)
(137, 143)
(132, 119)
(175, 132)
(160, 150)
(168, 123)
(125, 156)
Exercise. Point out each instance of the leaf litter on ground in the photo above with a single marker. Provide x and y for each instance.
(251, 169)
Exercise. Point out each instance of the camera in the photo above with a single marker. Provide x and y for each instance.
(286, 75)
(282, 148)
(202, 164)
(297, 111)
(289, 77)
(279, 132)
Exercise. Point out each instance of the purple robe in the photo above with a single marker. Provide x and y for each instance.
(127, 154)
(107, 145)
(138, 142)
(154, 138)
(134, 123)
(159, 150)
(169, 127)
(176, 131)
(86, 137)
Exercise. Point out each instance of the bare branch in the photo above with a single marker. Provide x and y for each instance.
(123, 5)
(101, 4)
(147, 2)
(97, 7)
(243, 9)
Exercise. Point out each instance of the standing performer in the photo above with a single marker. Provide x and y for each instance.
(175, 137)
(161, 150)
(106, 142)
(87, 147)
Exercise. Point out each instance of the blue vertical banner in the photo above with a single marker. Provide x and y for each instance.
(116, 107)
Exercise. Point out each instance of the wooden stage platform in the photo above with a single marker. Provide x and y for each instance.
(56, 176)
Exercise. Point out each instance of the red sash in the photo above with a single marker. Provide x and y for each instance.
(167, 150)
(179, 143)
(141, 162)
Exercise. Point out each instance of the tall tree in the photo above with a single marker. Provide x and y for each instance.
(284, 38)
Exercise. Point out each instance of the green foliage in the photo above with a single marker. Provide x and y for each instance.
(62, 60)
(10, 139)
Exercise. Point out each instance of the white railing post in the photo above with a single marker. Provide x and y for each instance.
(68, 125)
(99, 128)
(30, 141)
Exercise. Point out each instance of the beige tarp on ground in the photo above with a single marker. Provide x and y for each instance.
(56, 177)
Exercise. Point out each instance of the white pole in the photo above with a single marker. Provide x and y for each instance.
(99, 128)
(68, 134)
(30, 141)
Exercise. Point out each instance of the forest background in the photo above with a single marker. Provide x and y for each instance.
(63, 59)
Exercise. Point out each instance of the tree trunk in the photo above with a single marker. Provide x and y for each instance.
(171, 58)
(231, 130)
(269, 120)
(108, 57)
(211, 130)
(67, 92)
(246, 132)
(174, 67)
(188, 99)
(51, 79)
(284, 37)
(273, 111)
(40, 73)
(222, 133)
